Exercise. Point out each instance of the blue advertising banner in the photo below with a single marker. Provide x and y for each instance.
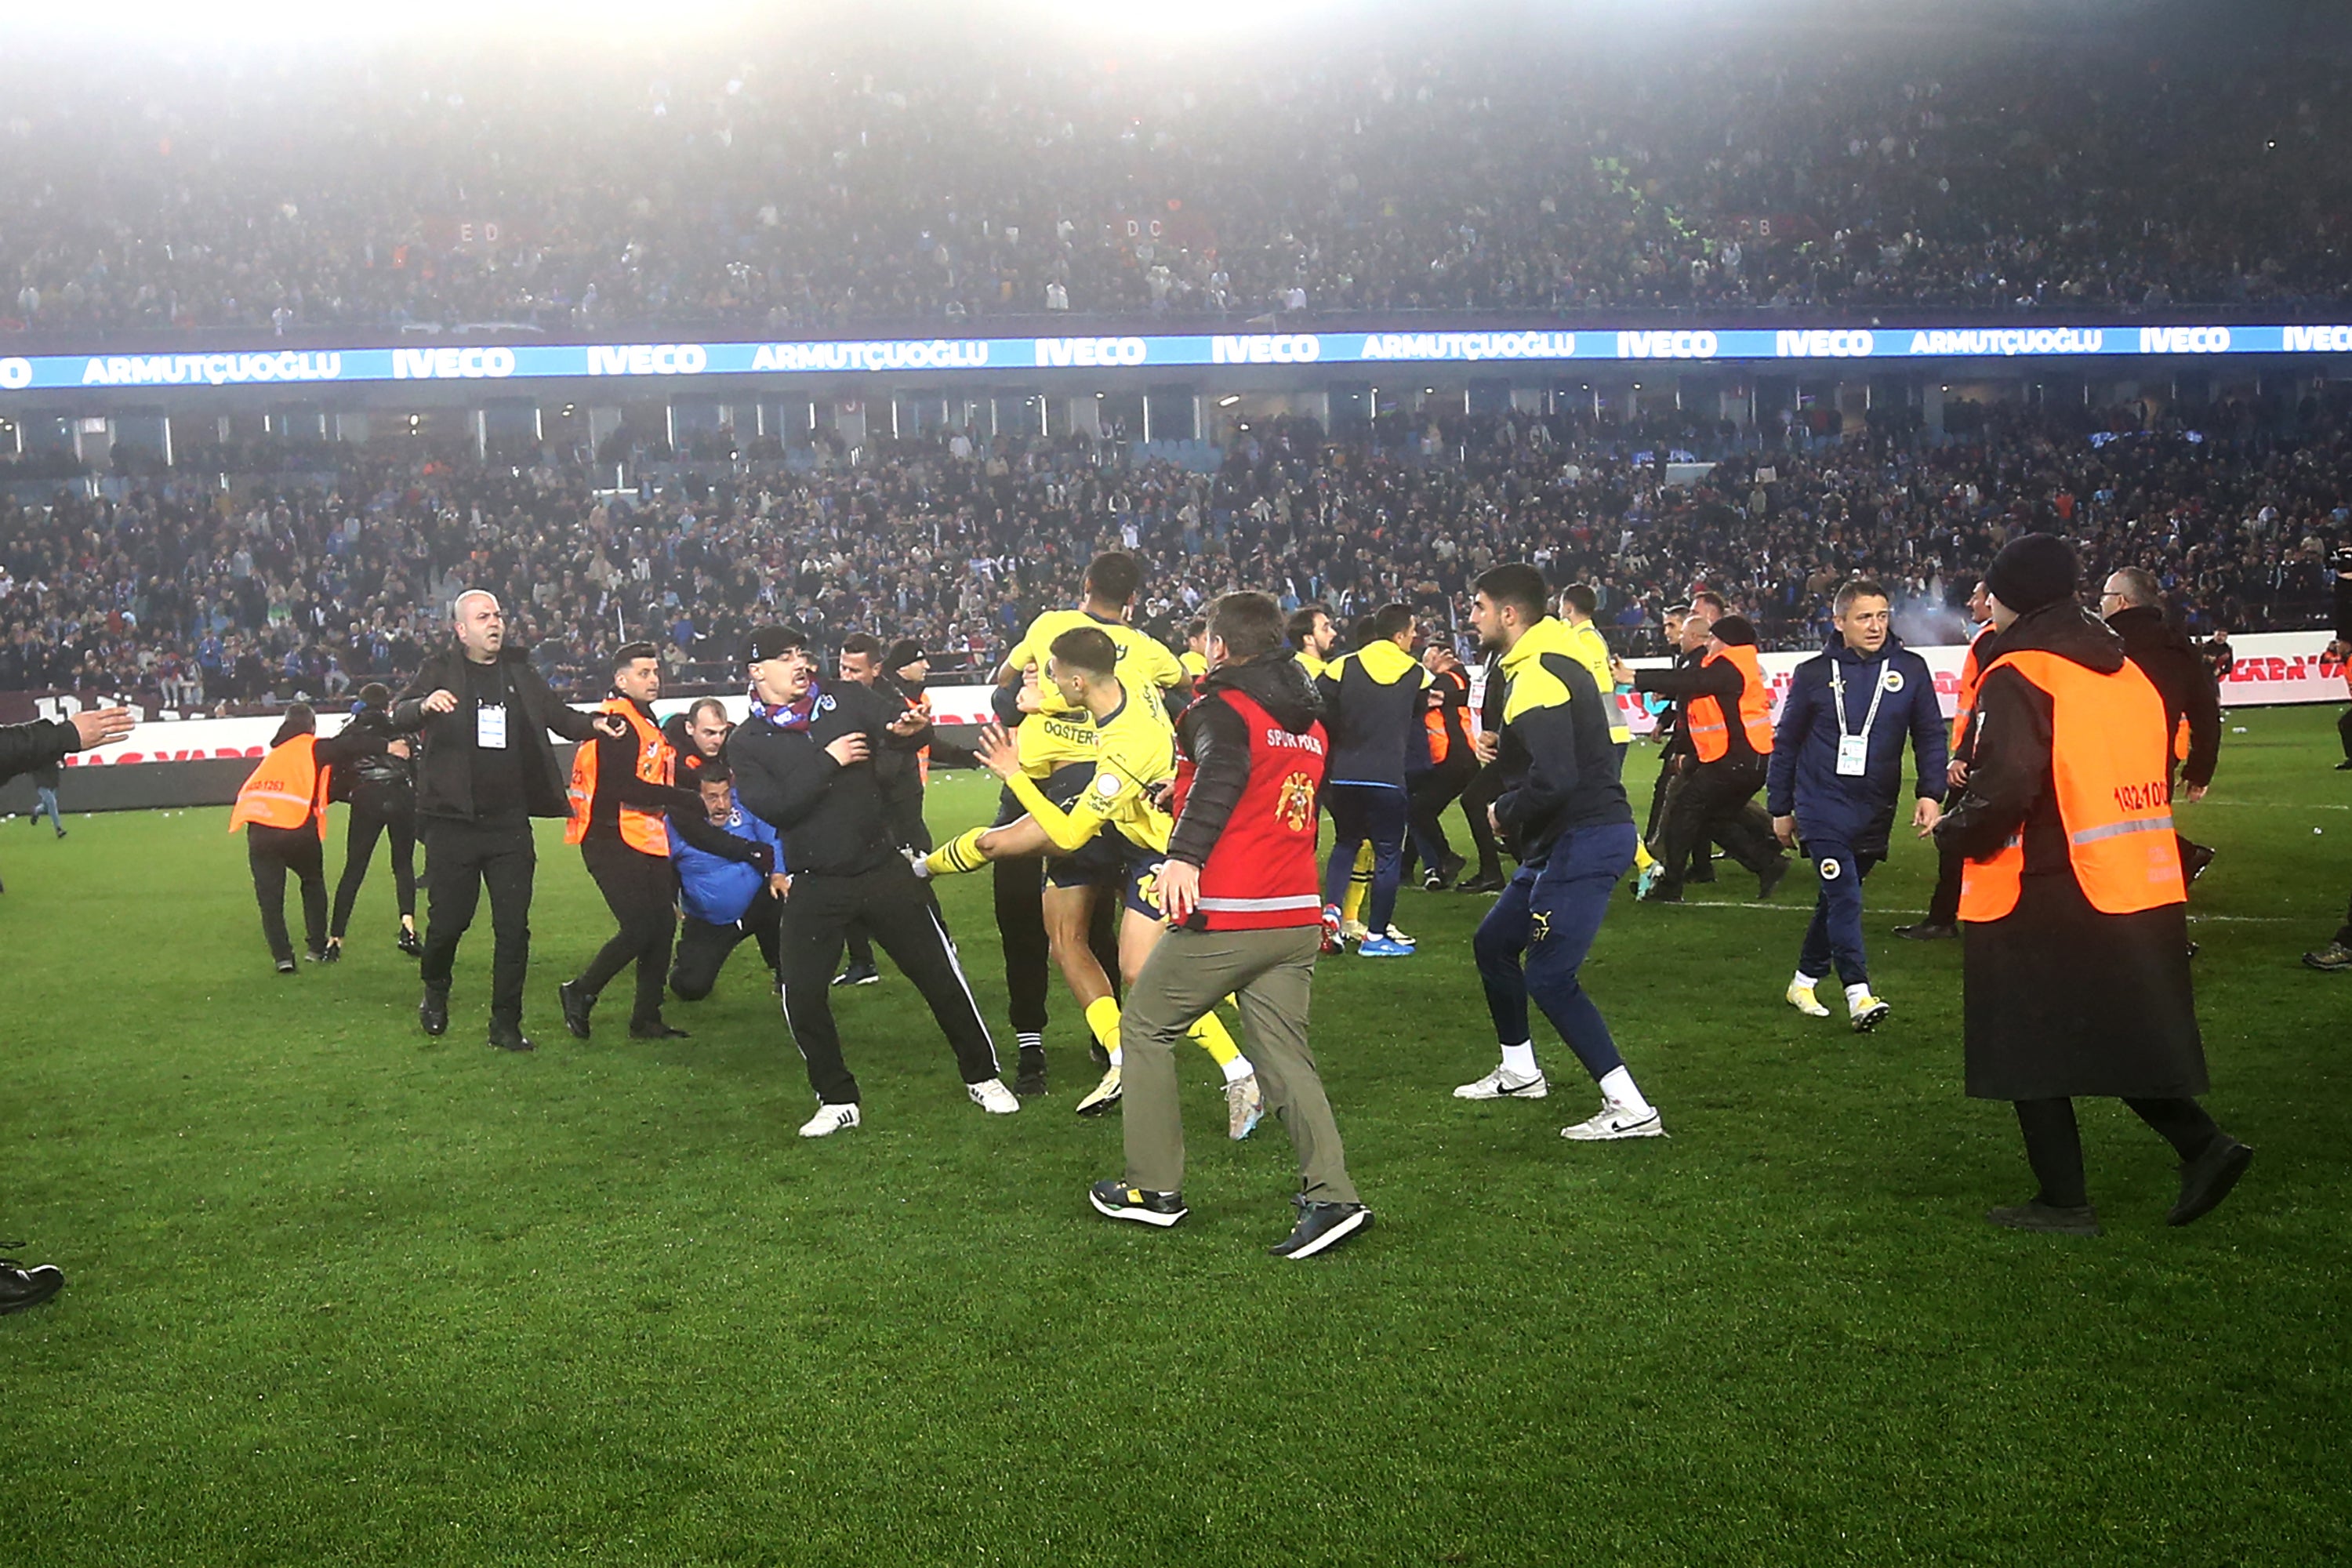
(541, 362)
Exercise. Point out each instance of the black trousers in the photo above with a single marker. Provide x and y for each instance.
(371, 818)
(461, 859)
(1427, 794)
(702, 947)
(272, 852)
(641, 891)
(1716, 800)
(904, 920)
(1944, 903)
(1483, 790)
(909, 829)
(2053, 1140)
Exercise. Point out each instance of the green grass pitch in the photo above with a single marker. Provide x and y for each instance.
(343, 1294)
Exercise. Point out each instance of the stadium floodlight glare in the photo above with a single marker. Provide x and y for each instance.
(1229, 399)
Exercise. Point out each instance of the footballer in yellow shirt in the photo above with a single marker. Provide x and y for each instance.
(1134, 753)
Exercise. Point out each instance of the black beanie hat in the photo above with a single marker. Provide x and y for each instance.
(2032, 571)
(903, 652)
(1734, 631)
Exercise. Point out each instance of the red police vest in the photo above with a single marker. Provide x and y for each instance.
(1261, 873)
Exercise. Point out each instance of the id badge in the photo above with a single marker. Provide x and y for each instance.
(490, 730)
(1853, 756)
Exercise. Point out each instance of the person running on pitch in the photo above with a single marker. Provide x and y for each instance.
(1564, 805)
(1135, 755)
(802, 761)
(1239, 887)
(1836, 775)
(382, 796)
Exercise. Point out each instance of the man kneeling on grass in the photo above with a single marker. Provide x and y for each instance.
(1241, 888)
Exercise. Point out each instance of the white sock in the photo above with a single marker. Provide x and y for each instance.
(1856, 995)
(1114, 1055)
(1519, 1060)
(1805, 981)
(1618, 1089)
(1237, 1070)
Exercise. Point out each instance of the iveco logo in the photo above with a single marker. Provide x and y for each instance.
(1090, 352)
(1665, 346)
(1268, 348)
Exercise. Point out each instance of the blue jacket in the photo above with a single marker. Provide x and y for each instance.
(1804, 781)
(715, 889)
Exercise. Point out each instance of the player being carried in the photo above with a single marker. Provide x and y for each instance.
(1135, 755)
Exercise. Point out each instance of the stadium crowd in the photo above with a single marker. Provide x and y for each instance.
(946, 179)
(308, 582)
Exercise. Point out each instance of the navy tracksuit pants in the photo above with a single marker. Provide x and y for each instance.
(1834, 941)
(1549, 916)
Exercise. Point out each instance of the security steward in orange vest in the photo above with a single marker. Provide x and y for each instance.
(2071, 902)
(283, 809)
(1728, 716)
(1453, 764)
(620, 790)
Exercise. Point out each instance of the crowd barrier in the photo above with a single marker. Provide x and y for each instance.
(201, 761)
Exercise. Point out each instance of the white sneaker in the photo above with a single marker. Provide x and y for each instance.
(1616, 1123)
(1245, 1107)
(1397, 937)
(1868, 1013)
(1503, 1084)
(1354, 930)
(1803, 1000)
(1104, 1095)
(828, 1120)
(992, 1096)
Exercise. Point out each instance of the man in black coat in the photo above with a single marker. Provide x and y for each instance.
(485, 770)
(2133, 606)
(804, 764)
(2063, 998)
(24, 748)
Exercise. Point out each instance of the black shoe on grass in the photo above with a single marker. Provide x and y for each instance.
(509, 1037)
(433, 1012)
(1029, 1081)
(2332, 959)
(1117, 1200)
(1320, 1227)
(577, 1005)
(21, 1287)
(1928, 930)
(2048, 1218)
(858, 974)
(285, 966)
(1483, 882)
(2207, 1180)
(659, 1029)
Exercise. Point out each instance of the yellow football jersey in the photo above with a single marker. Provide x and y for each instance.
(1135, 749)
(1060, 733)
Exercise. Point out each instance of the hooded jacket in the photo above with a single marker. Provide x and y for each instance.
(1372, 705)
(1217, 740)
(1558, 765)
(2010, 785)
(1855, 811)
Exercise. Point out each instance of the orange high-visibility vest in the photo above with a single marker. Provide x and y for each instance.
(1971, 676)
(641, 830)
(288, 788)
(1710, 735)
(2114, 798)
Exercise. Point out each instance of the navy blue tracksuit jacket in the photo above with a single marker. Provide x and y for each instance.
(1804, 781)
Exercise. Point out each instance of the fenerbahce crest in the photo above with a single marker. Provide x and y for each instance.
(1295, 809)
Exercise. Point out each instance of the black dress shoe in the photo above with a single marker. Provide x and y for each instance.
(1928, 931)
(509, 1037)
(1030, 1081)
(1320, 1227)
(285, 966)
(577, 1005)
(2049, 1218)
(656, 1030)
(2194, 859)
(433, 1012)
(1483, 882)
(2207, 1180)
(21, 1287)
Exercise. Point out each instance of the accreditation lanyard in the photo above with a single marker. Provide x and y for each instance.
(1853, 751)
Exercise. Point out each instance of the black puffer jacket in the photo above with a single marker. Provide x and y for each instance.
(1217, 739)
(2182, 677)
